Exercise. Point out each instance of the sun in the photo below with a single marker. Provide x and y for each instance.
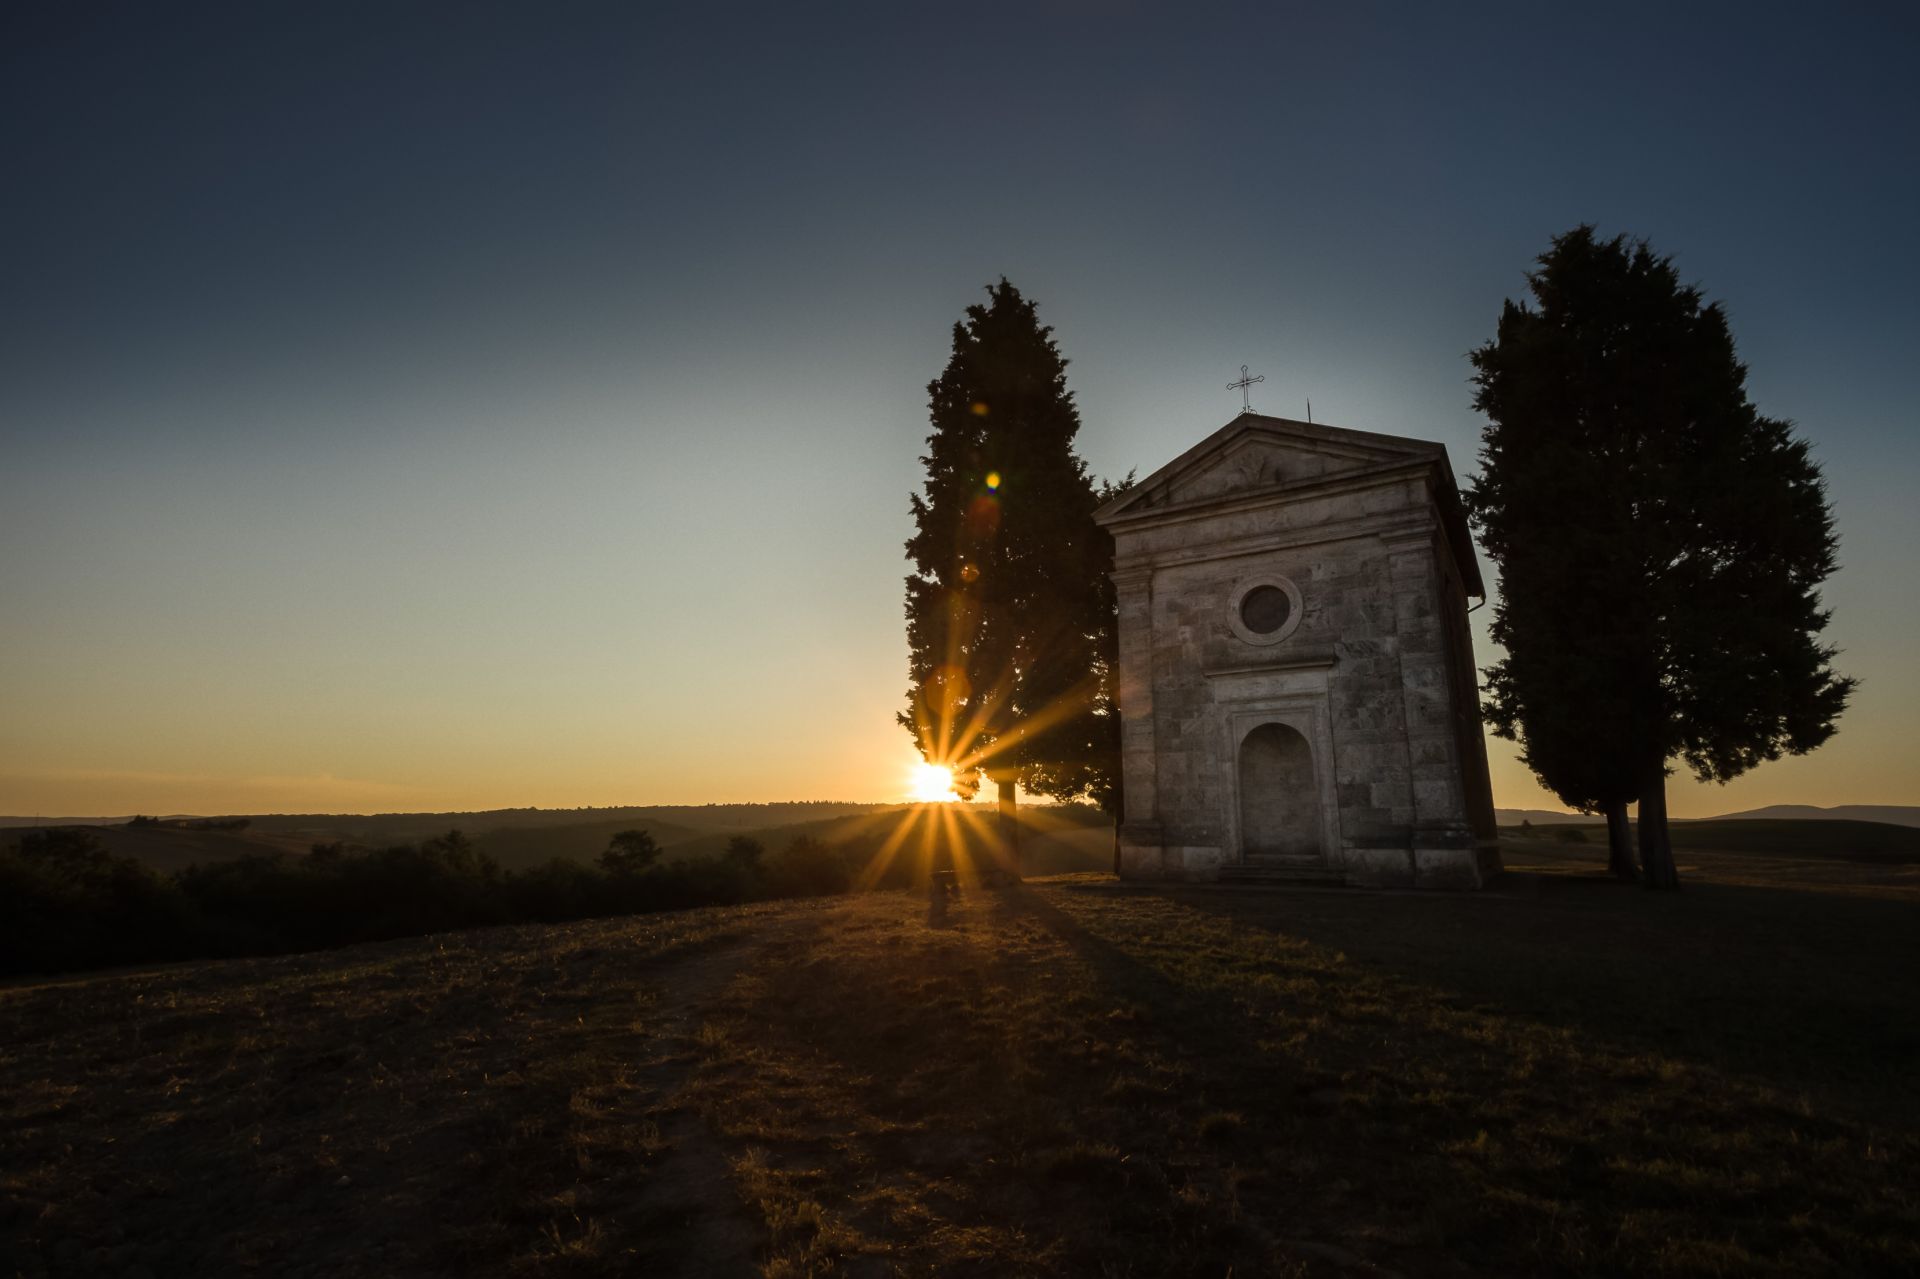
(931, 784)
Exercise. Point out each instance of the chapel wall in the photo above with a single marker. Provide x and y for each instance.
(1349, 618)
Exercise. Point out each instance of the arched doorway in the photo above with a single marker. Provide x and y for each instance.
(1279, 803)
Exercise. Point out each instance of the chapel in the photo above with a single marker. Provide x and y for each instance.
(1297, 687)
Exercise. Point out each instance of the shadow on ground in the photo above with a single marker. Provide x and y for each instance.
(1792, 983)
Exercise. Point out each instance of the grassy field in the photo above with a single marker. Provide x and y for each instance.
(1561, 1076)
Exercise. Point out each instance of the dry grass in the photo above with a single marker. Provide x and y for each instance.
(476, 1102)
(1077, 1078)
(1564, 1077)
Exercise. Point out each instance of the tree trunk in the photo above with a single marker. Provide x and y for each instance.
(1009, 829)
(1116, 848)
(1620, 862)
(1656, 846)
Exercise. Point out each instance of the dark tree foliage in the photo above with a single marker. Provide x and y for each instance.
(630, 852)
(808, 867)
(744, 852)
(1010, 612)
(1558, 701)
(1661, 544)
(67, 904)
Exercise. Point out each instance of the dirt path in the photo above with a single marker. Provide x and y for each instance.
(688, 1211)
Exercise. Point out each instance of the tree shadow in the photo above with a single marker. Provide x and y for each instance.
(1795, 988)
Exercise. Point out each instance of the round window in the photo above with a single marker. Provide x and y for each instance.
(1264, 610)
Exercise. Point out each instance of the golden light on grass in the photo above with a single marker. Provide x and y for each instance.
(931, 784)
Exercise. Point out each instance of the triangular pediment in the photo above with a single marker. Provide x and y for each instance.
(1254, 454)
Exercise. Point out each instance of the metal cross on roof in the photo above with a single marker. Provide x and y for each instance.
(1246, 403)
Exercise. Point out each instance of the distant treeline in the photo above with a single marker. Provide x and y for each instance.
(66, 903)
(192, 823)
(663, 819)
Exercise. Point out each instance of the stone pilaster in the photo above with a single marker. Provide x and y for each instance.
(1138, 765)
(1442, 844)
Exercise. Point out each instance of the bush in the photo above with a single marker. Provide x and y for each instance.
(744, 852)
(808, 868)
(630, 852)
(558, 891)
(65, 903)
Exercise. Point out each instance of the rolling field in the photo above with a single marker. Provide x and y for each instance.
(1561, 1076)
(172, 848)
(1061, 837)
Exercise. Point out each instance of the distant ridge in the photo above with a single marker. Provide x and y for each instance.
(1889, 814)
(1539, 817)
(759, 814)
(1892, 814)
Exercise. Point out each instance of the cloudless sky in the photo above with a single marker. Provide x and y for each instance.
(432, 406)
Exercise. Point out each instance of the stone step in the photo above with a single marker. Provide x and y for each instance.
(1278, 870)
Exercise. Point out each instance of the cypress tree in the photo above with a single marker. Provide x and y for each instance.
(1661, 544)
(1009, 607)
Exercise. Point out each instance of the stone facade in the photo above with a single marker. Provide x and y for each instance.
(1297, 686)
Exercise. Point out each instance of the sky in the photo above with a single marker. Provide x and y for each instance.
(421, 406)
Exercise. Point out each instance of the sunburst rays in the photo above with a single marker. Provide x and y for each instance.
(943, 836)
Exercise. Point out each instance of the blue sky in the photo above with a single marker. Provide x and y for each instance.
(422, 406)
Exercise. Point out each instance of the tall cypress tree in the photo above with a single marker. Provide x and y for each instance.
(1566, 586)
(1009, 607)
(1661, 544)
(1560, 705)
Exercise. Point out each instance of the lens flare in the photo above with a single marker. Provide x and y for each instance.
(993, 479)
(983, 516)
(949, 688)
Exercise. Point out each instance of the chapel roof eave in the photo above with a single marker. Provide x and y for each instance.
(1379, 454)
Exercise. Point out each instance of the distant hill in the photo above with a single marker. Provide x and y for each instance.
(1891, 814)
(1538, 816)
(399, 827)
(1880, 843)
(170, 848)
(516, 847)
(1055, 838)
(379, 828)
